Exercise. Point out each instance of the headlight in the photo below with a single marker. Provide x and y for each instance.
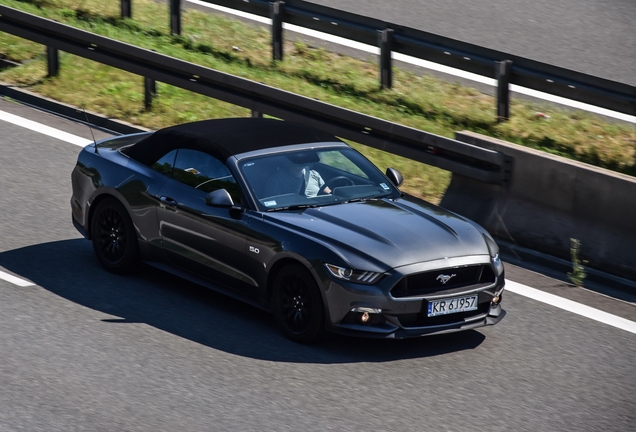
(356, 276)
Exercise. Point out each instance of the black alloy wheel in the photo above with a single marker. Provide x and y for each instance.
(114, 237)
(298, 305)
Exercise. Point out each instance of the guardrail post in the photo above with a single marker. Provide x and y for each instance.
(385, 41)
(503, 71)
(150, 91)
(52, 61)
(175, 17)
(276, 10)
(126, 8)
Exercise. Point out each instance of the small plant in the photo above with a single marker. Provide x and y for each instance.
(577, 275)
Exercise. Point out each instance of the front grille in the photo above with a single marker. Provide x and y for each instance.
(433, 281)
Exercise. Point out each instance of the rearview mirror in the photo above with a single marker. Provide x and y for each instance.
(395, 176)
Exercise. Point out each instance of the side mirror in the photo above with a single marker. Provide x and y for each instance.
(395, 176)
(219, 198)
(222, 198)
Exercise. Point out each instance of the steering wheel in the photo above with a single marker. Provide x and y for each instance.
(346, 181)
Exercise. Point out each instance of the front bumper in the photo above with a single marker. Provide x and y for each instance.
(393, 329)
(406, 316)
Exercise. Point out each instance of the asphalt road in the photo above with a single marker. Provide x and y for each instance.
(590, 36)
(83, 349)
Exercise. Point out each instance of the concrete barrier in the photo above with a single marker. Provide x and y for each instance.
(550, 199)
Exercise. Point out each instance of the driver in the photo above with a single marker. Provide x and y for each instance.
(294, 178)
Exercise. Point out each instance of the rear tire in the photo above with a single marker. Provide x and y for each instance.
(298, 305)
(114, 237)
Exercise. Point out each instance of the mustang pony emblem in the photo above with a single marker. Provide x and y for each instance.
(444, 278)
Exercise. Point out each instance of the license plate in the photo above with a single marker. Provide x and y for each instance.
(452, 305)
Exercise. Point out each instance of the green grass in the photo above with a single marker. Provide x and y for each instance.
(230, 46)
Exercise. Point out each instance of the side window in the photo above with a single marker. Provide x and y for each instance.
(165, 164)
(204, 172)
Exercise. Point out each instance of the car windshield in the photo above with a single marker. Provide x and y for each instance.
(313, 177)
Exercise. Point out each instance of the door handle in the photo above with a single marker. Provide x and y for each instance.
(168, 201)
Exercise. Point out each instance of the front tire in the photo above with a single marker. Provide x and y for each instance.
(114, 237)
(298, 305)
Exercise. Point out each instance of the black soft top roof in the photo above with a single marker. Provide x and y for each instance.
(223, 138)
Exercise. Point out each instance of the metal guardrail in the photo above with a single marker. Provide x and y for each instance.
(468, 160)
(449, 52)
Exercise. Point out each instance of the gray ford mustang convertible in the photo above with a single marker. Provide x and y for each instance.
(292, 220)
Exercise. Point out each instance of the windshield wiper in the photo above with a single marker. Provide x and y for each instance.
(293, 207)
(352, 200)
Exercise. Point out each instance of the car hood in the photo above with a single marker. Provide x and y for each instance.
(386, 233)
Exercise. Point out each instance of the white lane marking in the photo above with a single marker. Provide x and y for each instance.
(423, 63)
(46, 130)
(571, 306)
(15, 280)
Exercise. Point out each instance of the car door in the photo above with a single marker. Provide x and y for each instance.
(209, 241)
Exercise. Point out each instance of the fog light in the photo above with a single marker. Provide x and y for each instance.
(367, 315)
(496, 300)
